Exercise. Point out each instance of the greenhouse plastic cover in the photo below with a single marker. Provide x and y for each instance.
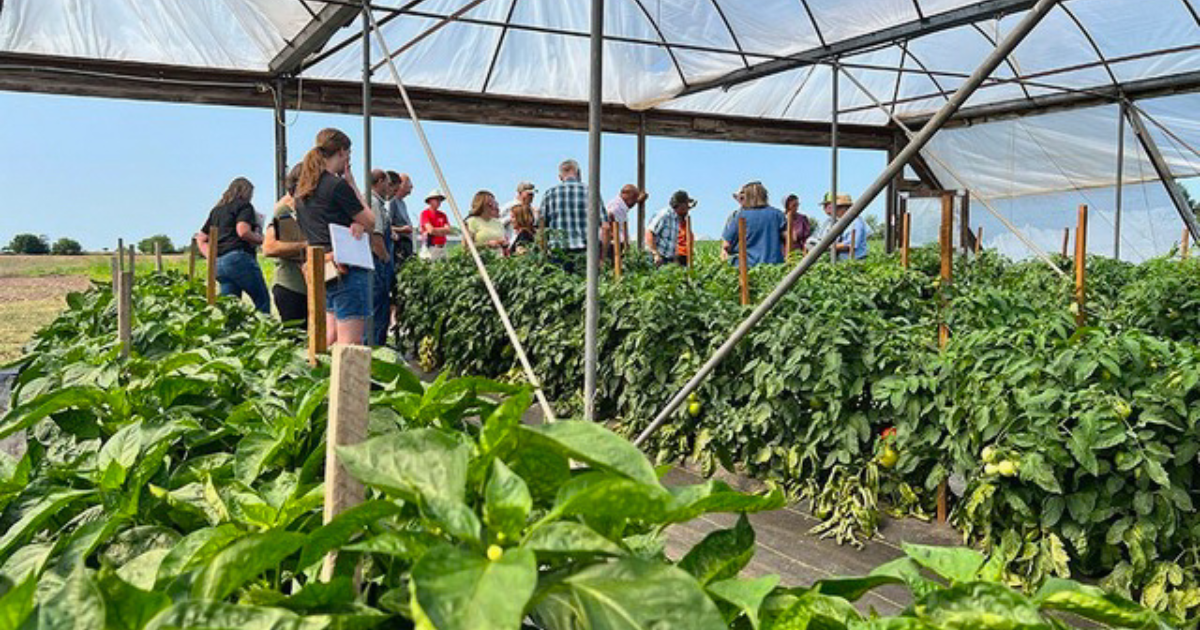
(659, 47)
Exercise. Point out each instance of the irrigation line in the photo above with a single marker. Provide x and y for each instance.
(1038, 251)
(989, 65)
(483, 272)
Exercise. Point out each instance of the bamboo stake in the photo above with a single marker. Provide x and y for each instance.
(947, 247)
(1066, 240)
(616, 238)
(1081, 266)
(743, 277)
(905, 232)
(158, 264)
(1187, 237)
(349, 398)
(315, 279)
(213, 250)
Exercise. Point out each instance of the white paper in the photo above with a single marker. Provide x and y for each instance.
(351, 251)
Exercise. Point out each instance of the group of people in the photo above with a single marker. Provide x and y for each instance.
(321, 191)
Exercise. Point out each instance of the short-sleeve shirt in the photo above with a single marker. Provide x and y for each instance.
(617, 212)
(226, 217)
(666, 226)
(399, 212)
(565, 208)
(383, 217)
(436, 219)
(332, 203)
(485, 230)
(764, 235)
(287, 271)
(801, 231)
(855, 235)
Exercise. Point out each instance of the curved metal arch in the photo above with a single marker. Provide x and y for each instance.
(1092, 42)
(512, 8)
(816, 27)
(905, 50)
(1188, 5)
(663, 39)
(1012, 67)
(729, 27)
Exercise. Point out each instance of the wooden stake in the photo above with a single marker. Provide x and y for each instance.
(691, 243)
(905, 232)
(125, 313)
(1187, 237)
(542, 235)
(853, 244)
(116, 277)
(120, 257)
(616, 237)
(743, 266)
(947, 246)
(132, 264)
(1066, 240)
(1081, 265)
(316, 303)
(192, 261)
(979, 241)
(349, 398)
(787, 239)
(213, 252)
(158, 265)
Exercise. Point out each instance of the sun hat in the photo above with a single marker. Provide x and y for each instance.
(681, 198)
(524, 186)
(436, 193)
(842, 199)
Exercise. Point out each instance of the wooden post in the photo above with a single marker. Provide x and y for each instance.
(316, 303)
(349, 398)
(116, 277)
(947, 246)
(743, 277)
(132, 263)
(158, 265)
(192, 261)
(125, 313)
(1184, 244)
(1066, 240)
(616, 241)
(212, 267)
(691, 243)
(905, 232)
(542, 235)
(853, 245)
(1081, 265)
(787, 239)
(979, 241)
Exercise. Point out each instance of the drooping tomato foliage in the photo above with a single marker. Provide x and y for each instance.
(1092, 432)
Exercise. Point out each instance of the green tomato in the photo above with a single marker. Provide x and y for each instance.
(888, 457)
(991, 470)
(989, 454)
(694, 409)
(1123, 409)
(1007, 468)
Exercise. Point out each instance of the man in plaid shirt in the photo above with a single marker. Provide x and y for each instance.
(565, 208)
(667, 234)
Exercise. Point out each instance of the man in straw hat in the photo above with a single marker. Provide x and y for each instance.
(667, 235)
(854, 237)
(435, 226)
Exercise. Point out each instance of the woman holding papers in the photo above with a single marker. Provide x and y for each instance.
(327, 196)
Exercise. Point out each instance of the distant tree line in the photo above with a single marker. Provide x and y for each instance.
(37, 244)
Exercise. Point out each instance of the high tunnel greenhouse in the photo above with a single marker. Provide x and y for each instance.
(1093, 106)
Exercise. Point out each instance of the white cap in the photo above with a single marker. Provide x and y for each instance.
(436, 192)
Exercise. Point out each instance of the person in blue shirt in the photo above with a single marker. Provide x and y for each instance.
(765, 226)
(855, 236)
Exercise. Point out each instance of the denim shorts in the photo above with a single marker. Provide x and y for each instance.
(346, 297)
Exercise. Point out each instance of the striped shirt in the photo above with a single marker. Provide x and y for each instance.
(665, 226)
(565, 209)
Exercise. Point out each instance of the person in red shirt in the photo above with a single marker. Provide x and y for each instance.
(435, 225)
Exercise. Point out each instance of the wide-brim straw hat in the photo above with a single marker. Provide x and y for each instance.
(842, 199)
(436, 193)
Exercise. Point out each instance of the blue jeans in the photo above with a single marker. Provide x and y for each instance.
(238, 273)
(382, 301)
(346, 297)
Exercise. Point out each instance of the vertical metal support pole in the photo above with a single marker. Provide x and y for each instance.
(1027, 23)
(211, 263)
(641, 179)
(366, 96)
(891, 227)
(1081, 266)
(965, 218)
(316, 303)
(835, 82)
(595, 119)
(280, 139)
(1120, 181)
(349, 401)
(743, 266)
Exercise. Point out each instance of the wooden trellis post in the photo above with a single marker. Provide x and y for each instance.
(192, 261)
(158, 264)
(905, 233)
(316, 303)
(116, 276)
(212, 266)
(979, 241)
(743, 265)
(1066, 240)
(125, 307)
(853, 244)
(946, 240)
(787, 240)
(616, 252)
(1081, 266)
(349, 401)
(1183, 249)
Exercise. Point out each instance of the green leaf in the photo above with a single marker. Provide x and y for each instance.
(126, 606)
(1092, 603)
(1034, 468)
(629, 594)
(408, 545)
(957, 564)
(142, 571)
(853, 588)
(387, 366)
(459, 590)
(507, 501)
(78, 605)
(253, 453)
(569, 538)
(816, 611)
(242, 561)
(17, 603)
(342, 528)
(195, 549)
(688, 502)
(596, 445)
(610, 498)
(1080, 505)
(199, 615)
(33, 515)
(722, 554)
(412, 465)
(746, 595)
(979, 606)
(26, 414)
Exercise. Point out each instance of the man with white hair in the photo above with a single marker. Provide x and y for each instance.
(565, 208)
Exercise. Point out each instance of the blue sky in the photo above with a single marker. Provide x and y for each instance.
(96, 170)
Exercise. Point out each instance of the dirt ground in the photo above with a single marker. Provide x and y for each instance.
(27, 304)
